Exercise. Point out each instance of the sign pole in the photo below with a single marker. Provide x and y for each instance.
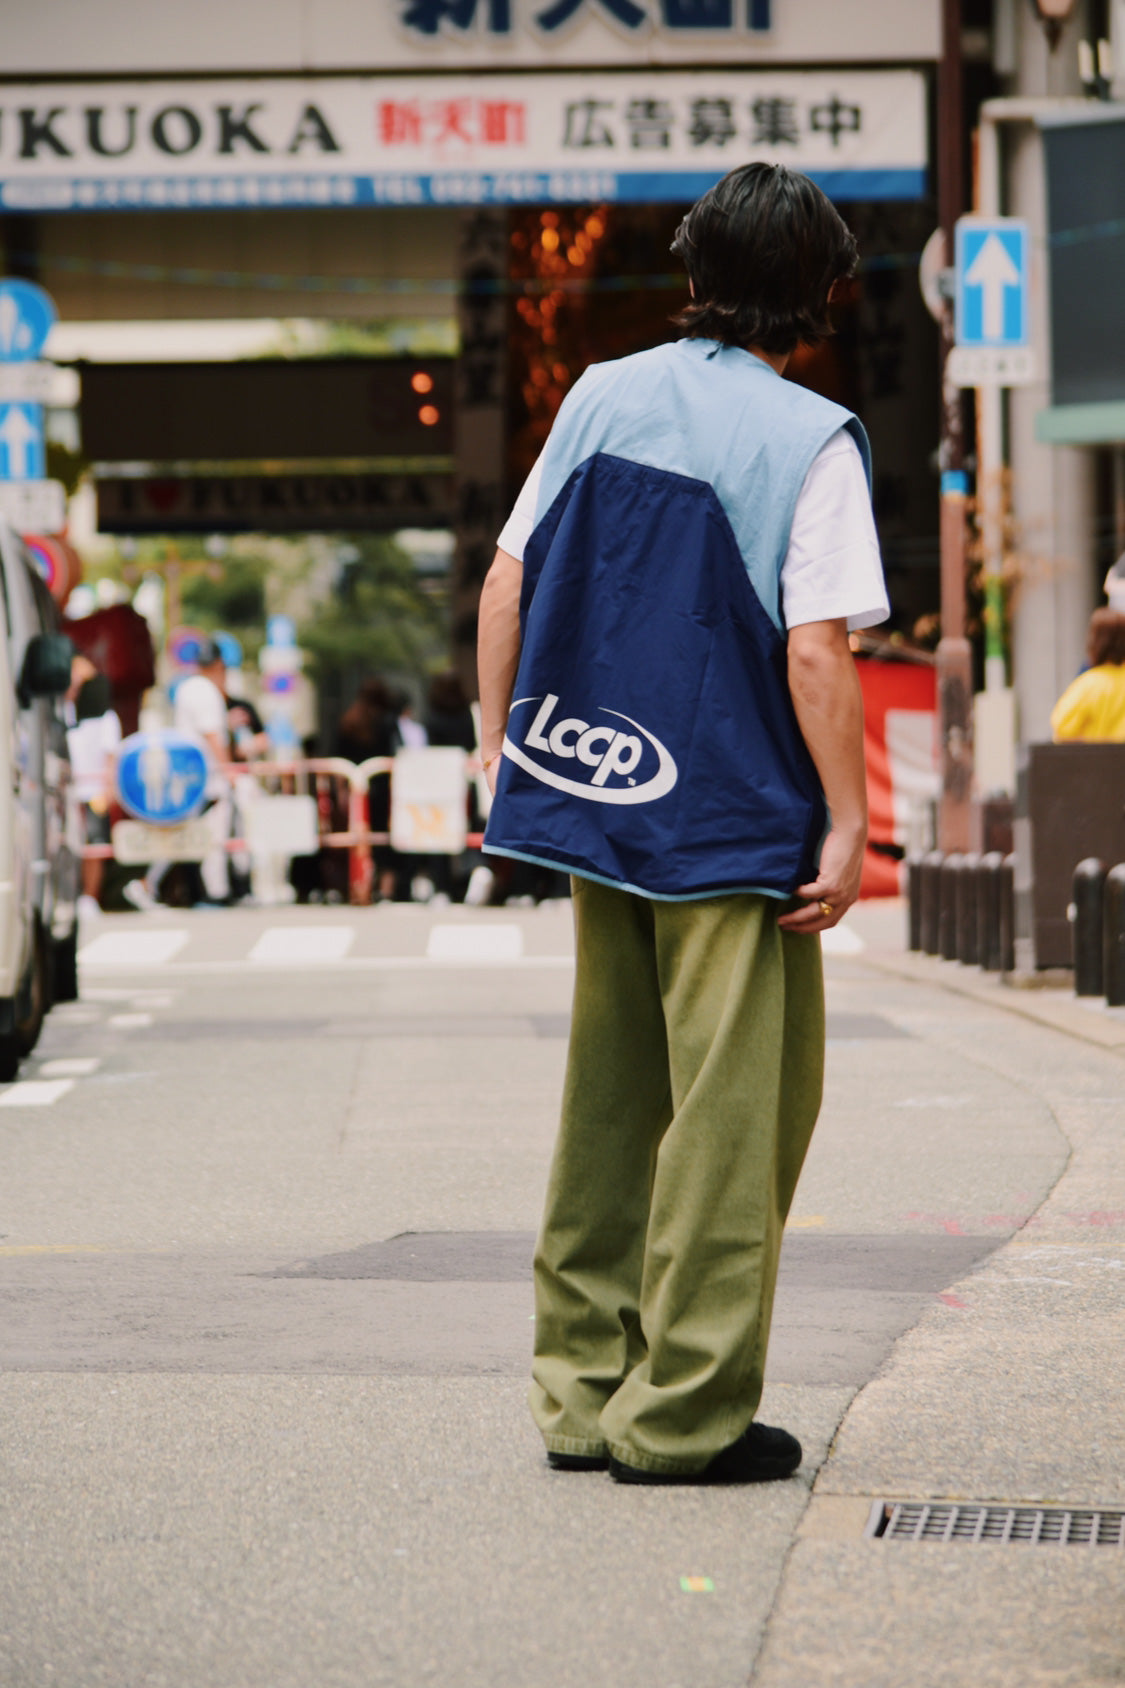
(954, 659)
(991, 489)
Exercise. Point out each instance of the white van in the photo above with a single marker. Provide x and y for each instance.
(38, 870)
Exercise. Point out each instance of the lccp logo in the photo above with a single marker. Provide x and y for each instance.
(611, 754)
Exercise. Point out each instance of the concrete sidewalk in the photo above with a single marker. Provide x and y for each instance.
(1008, 1391)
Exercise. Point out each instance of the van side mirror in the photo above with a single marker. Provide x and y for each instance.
(46, 667)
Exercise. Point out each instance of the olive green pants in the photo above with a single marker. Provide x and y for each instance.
(692, 1087)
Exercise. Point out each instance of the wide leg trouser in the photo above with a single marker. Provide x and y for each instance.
(693, 1084)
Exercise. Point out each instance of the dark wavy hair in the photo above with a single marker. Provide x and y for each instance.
(1105, 640)
(763, 250)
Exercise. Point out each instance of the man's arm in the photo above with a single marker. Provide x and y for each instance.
(829, 707)
(498, 655)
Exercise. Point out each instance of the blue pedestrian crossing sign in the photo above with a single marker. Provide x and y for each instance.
(992, 282)
(27, 315)
(162, 776)
(22, 453)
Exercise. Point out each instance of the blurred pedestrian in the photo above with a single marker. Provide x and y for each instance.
(93, 735)
(368, 727)
(412, 734)
(200, 709)
(1093, 706)
(449, 719)
(694, 542)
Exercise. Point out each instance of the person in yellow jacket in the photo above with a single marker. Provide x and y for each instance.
(1093, 706)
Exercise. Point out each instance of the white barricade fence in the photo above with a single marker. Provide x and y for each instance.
(429, 808)
(289, 809)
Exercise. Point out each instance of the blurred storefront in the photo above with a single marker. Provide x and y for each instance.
(497, 177)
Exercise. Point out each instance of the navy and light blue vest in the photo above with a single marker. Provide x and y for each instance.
(652, 741)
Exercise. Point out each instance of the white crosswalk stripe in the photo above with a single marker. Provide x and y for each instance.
(299, 945)
(487, 941)
(133, 948)
(35, 1092)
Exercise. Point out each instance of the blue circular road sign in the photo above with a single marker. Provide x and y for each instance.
(27, 315)
(162, 777)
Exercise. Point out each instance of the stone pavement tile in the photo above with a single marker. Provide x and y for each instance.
(1010, 1390)
(355, 1533)
(995, 1403)
(861, 1614)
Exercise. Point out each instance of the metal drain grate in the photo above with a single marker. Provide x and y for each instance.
(921, 1521)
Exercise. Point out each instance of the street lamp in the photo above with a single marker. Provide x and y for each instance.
(1052, 14)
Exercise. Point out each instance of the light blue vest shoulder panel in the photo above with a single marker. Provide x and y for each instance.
(716, 414)
(652, 741)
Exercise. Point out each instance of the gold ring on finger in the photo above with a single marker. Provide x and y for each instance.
(825, 908)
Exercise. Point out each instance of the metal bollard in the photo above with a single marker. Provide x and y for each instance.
(1087, 932)
(930, 899)
(965, 907)
(947, 906)
(988, 911)
(1113, 961)
(914, 902)
(1008, 915)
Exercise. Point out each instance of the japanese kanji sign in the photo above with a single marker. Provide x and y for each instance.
(403, 37)
(641, 136)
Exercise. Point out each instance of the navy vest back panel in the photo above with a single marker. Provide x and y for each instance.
(652, 741)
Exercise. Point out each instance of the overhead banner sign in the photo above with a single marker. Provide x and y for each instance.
(471, 140)
(119, 38)
(274, 503)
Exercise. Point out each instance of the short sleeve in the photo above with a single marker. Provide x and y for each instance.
(833, 569)
(520, 526)
(1071, 717)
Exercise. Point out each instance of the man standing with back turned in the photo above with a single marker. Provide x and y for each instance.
(671, 711)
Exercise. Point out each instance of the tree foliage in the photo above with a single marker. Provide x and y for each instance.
(380, 617)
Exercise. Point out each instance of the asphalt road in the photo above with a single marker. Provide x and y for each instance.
(268, 1199)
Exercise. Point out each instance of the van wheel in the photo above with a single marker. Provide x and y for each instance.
(9, 1057)
(64, 968)
(28, 1029)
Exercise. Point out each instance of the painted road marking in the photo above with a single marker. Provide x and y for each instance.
(134, 949)
(491, 942)
(70, 1066)
(301, 945)
(129, 1022)
(35, 1092)
(841, 940)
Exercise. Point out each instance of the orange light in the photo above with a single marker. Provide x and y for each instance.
(428, 415)
(421, 382)
(595, 227)
(550, 239)
(574, 256)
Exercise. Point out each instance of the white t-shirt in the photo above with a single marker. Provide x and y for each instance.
(91, 746)
(832, 567)
(201, 708)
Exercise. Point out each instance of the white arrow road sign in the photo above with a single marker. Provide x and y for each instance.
(39, 383)
(992, 282)
(21, 442)
(992, 271)
(34, 506)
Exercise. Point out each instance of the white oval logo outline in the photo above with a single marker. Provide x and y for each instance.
(659, 785)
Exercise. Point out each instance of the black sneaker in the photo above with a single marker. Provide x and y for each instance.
(577, 1462)
(762, 1454)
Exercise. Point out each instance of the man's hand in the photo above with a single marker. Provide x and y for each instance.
(829, 708)
(836, 884)
(492, 774)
